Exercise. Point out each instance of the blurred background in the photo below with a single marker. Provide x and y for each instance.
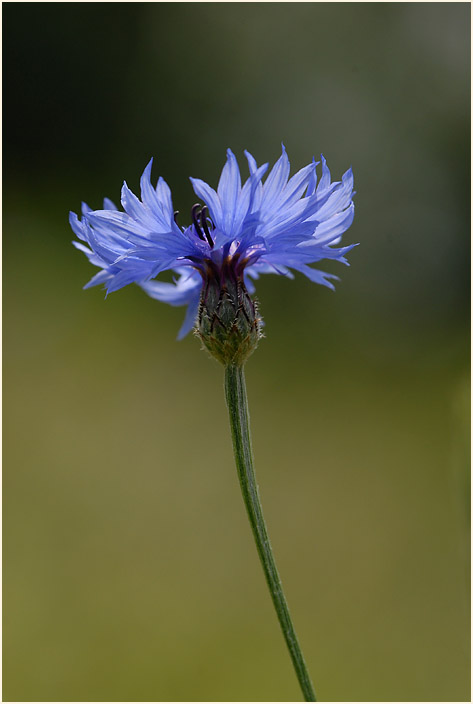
(129, 568)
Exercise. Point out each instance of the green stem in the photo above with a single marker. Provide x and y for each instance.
(235, 394)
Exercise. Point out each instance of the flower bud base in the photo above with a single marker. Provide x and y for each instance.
(228, 323)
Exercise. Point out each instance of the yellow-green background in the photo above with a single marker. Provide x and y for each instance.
(129, 568)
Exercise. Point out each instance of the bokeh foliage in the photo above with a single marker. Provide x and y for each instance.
(129, 569)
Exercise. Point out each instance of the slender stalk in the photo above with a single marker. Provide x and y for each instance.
(235, 394)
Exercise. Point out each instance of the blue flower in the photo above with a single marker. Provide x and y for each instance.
(277, 226)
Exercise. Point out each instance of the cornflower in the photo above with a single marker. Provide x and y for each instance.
(280, 225)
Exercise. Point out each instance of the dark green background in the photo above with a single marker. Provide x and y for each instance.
(129, 568)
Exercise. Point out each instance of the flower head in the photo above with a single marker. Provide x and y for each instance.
(277, 226)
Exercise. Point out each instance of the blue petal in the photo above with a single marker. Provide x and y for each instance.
(339, 199)
(330, 230)
(210, 198)
(118, 281)
(311, 186)
(318, 277)
(177, 294)
(251, 162)
(190, 318)
(276, 180)
(99, 278)
(134, 207)
(325, 179)
(77, 226)
(163, 193)
(244, 222)
(297, 184)
(228, 190)
(164, 215)
(113, 222)
(92, 257)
